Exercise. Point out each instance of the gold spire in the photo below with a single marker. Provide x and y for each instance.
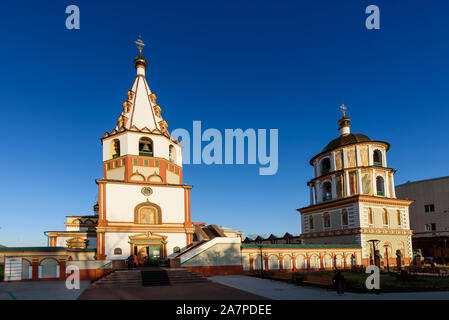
(343, 109)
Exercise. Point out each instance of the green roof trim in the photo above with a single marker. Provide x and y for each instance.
(43, 249)
(299, 246)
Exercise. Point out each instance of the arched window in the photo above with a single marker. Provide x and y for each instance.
(327, 191)
(145, 147)
(385, 217)
(287, 263)
(115, 148)
(258, 263)
(311, 226)
(172, 153)
(398, 215)
(377, 158)
(380, 186)
(314, 262)
(148, 213)
(49, 268)
(327, 220)
(370, 217)
(325, 166)
(117, 251)
(27, 269)
(344, 217)
(273, 262)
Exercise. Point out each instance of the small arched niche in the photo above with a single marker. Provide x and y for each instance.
(148, 213)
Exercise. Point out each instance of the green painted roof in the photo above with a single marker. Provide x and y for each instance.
(299, 246)
(42, 249)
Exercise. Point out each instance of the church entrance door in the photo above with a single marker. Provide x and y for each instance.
(148, 254)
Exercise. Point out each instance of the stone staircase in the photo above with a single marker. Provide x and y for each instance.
(148, 277)
(166, 277)
(120, 279)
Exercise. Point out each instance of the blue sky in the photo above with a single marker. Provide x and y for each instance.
(283, 65)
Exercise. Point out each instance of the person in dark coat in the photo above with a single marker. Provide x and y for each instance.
(135, 261)
(338, 281)
(130, 262)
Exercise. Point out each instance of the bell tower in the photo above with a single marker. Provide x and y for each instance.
(353, 199)
(142, 195)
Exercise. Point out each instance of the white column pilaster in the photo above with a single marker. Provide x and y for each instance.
(370, 155)
(392, 185)
(347, 184)
(373, 174)
(387, 185)
(345, 159)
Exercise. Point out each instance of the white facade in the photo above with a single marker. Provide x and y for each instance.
(121, 200)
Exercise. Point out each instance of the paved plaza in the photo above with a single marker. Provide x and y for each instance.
(277, 290)
(40, 290)
(239, 287)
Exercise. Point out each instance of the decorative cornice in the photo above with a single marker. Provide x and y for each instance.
(353, 231)
(330, 174)
(354, 199)
(145, 131)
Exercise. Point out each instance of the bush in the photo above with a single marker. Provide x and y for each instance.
(404, 275)
(298, 278)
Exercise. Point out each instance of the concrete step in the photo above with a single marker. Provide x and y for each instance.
(168, 277)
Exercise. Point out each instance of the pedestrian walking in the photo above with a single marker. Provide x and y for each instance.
(130, 261)
(338, 281)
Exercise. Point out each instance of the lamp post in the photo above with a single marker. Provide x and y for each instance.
(386, 255)
(374, 249)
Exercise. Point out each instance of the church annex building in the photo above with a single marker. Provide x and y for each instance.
(353, 218)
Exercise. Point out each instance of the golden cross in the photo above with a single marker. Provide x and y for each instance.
(343, 109)
(140, 44)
